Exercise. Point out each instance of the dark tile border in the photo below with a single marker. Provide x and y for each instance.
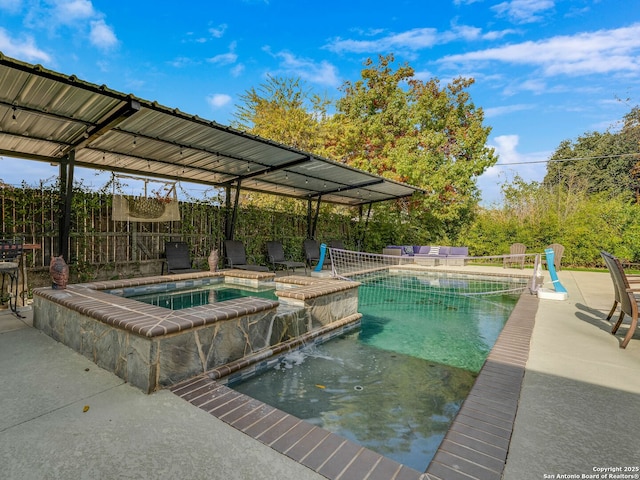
(326, 453)
(475, 447)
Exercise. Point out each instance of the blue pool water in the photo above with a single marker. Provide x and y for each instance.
(449, 320)
(202, 295)
(395, 385)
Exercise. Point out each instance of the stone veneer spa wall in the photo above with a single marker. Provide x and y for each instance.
(152, 347)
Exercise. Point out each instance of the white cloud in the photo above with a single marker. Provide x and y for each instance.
(505, 146)
(529, 166)
(466, 32)
(424, 75)
(101, 35)
(493, 112)
(237, 70)
(414, 40)
(603, 51)
(218, 32)
(181, 62)
(24, 48)
(498, 34)
(322, 73)
(523, 11)
(225, 58)
(68, 12)
(78, 16)
(218, 100)
(534, 85)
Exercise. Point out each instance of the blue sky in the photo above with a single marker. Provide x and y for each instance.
(545, 70)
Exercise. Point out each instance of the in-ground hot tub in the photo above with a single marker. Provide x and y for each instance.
(153, 347)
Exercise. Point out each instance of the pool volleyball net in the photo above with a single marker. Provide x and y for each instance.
(469, 277)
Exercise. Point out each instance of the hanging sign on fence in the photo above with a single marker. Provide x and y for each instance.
(161, 206)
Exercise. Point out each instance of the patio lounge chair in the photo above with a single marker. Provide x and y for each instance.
(177, 258)
(236, 257)
(10, 252)
(558, 251)
(625, 295)
(516, 255)
(275, 252)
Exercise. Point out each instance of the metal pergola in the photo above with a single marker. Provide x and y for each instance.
(60, 119)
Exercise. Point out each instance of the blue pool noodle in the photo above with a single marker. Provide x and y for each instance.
(552, 271)
(323, 251)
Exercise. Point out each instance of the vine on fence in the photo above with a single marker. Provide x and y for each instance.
(98, 242)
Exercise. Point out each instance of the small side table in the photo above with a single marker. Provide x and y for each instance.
(10, 253)
(23, 284)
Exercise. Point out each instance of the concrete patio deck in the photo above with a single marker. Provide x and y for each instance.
(576, 412)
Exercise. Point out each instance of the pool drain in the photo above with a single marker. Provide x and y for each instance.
(357, 388)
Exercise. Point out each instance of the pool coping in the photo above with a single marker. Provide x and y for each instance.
(475, 447)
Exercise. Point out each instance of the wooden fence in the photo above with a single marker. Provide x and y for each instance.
(97, 240)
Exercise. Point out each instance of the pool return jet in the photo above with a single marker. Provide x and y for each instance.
(558, 292)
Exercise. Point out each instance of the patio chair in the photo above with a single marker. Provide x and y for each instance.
(275, 252)
(338, 244)
(10, 253)
(236, 257)
(632, 279)
(311, 252)
(625, 295)
(177, 258)
(558, 251)
(516, 255)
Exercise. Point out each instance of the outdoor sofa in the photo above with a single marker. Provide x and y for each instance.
(430, 254)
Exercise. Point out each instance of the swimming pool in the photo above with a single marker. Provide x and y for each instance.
(395, 385)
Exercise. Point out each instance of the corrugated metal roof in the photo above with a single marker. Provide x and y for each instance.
(45, 115)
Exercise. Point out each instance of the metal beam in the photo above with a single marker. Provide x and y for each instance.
(309, 233)
(350, 187)
(27, 156)
(93, 132)
(273, 168)
(231, 226)
(315, 218)
(360, 241)
(66, 189)
(44, 112)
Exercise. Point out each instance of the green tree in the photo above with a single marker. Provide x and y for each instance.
(286, 111)
(393, 124)
(600, 162)
(630, 135)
